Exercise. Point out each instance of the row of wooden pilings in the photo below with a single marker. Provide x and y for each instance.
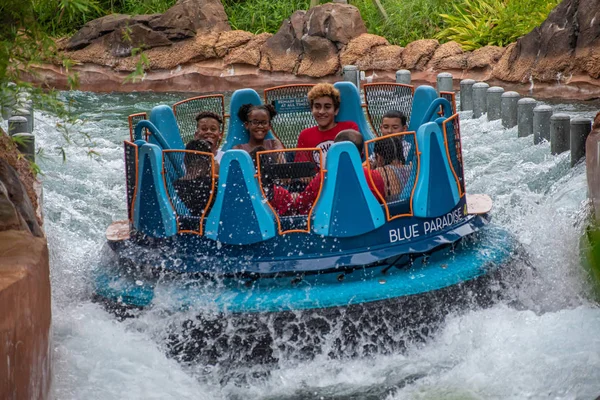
(17, 108)
(563, 132)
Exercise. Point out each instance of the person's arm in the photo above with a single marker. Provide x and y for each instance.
(283, 201)
(305, 200)
(379, 185)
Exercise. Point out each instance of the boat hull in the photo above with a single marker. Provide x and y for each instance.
(347, 311)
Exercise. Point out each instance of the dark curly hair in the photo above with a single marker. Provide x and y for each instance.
(246, 109)
(209, 114)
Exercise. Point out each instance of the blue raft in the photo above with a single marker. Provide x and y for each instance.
(353, 248)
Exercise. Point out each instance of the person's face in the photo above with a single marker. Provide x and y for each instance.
(324, 112)
(392, 125)
(209, 129)
(258, 124)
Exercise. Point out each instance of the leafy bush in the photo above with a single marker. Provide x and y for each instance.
(258, 16)
(477, 23)
(408, 20)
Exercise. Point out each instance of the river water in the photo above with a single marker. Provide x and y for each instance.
(547, 348)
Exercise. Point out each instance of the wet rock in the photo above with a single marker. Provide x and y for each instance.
(449, 55)
(336, 22)
(417, 54)
(15, 193)
(249, 53)
(360, 48)
(319, 57)
(187, 17)
(485, 57)
(230, 40)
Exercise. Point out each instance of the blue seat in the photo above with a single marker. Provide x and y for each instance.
(163, 119)
(346, 207)
(436, 190)
(236, 133)
(424, 96)
(240, 214)
(351, 109)
(153, 213)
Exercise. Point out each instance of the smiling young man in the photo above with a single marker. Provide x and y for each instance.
(324, 100)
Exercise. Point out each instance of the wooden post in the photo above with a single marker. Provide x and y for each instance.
(314, 3)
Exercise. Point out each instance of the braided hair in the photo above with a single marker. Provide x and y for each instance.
(246, 109)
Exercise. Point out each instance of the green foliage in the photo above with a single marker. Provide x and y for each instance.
(409, 20)
(258, 16)
(477, 23)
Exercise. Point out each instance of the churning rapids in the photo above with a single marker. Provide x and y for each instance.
(547, 347)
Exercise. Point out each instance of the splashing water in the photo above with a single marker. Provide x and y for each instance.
(548, 348)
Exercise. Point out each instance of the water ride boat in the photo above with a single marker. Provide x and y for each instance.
(357, 259)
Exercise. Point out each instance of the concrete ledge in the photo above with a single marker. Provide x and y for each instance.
(25, 317)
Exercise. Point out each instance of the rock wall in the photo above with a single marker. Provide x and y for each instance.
(25, 314)
(191, 48)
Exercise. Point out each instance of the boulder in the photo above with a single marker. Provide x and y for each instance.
(385, 58)
(200, 48)
(417, 54)
(484, 57)
(122, 41)
(320, 57)
(339, 23)
(13, 192)
(187, 17)
(249, 53)
(230, 40)
(282, 51)
(449, 55)
(510, 68)
(558, 47)
(96, 28)
(360, 48)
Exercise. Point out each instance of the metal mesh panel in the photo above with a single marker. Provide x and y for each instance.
(190, 182)
(451, 97)
(452, 137)
(133, 120)
(383, 97)
(131, 163)
(293, 112)
(278, 179)
(394, 158)
(185, 113)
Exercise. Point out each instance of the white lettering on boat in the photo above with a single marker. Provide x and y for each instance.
(431, 226)
(404, 233)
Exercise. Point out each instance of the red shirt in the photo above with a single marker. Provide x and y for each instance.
(306, 199)
(313, 137)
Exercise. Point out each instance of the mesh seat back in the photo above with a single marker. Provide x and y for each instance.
(293, 111)
(383, 97)
(185, 113)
